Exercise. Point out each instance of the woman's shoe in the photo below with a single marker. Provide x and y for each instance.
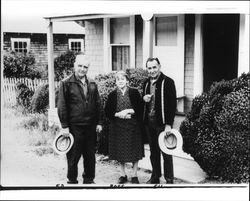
(123, 179)
(135, 180)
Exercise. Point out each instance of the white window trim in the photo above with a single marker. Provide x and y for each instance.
(123, 44)
(107, 61)
(20, 40)
(76, 40)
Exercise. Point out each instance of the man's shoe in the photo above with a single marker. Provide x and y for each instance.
(72, 182)
(135, 180)
(153, 181)
(169, 181)
(123, 179)
(88, 181)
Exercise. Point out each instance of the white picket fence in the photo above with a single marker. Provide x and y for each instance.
(9, 90)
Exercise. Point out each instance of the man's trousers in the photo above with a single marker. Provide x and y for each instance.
(153, 132)
(84, 145)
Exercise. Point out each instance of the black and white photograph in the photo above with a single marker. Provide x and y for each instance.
(116, 100)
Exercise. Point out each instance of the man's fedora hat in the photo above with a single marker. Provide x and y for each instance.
(171, 142)
(62, 144)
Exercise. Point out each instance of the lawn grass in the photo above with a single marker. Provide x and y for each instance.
(29, 129)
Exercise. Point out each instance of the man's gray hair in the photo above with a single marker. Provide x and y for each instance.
(81, 58)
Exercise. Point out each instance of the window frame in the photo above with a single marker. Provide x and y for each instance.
(155, 31)
(81, 40)
(107, 50)
(13, 40)
(119, 45)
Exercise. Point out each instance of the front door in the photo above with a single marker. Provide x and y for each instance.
(168, 46)
(220, 42)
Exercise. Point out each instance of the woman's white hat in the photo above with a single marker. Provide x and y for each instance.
(62, 144)
(171, 142)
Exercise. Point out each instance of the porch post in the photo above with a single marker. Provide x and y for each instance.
(132, 41)
(106, 45)
(51, 66)
(147, 38)
(243, 60)
(198, 56)
(2, 68)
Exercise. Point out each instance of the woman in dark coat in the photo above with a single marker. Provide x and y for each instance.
(124, 110)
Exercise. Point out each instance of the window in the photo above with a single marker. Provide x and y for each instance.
(120, 43)
(120, 57)
(76, 45)
(166, 31)
(119, 31)
(21, 45)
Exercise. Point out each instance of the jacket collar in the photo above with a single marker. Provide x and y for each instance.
(159, 79)
(74, 79)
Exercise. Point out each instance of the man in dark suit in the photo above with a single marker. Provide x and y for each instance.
(79, 110)
(159, 95)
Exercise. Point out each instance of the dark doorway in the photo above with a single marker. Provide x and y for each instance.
(220, 53)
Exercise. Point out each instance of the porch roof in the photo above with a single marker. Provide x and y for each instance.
(85, 17)
(38, 25)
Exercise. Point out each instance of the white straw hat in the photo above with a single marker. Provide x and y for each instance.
(170, 143)
(62, 144)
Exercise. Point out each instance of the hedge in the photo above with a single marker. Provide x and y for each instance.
(40, 99)
(20, 65)
(24, 95)
(64, 65)
(216, 130)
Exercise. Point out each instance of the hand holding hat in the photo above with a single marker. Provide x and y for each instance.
(63, 142)
(167, 128)
(170, 142)
(65, 132)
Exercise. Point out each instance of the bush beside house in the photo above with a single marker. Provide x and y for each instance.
(64, 65)
(20, 66)
(24, 96)
(216, 130)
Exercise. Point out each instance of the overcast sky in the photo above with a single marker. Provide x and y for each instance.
(23, 8)
(28, 14)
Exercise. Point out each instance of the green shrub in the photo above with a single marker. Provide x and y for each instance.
(24, 95)
(64, 65)
(20, 65)
(137, 76)
(216, 130)
(40, 100)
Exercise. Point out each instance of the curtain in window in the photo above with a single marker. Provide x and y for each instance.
(120, 57)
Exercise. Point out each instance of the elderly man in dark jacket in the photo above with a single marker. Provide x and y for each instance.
(159, 95)
(79, 111)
